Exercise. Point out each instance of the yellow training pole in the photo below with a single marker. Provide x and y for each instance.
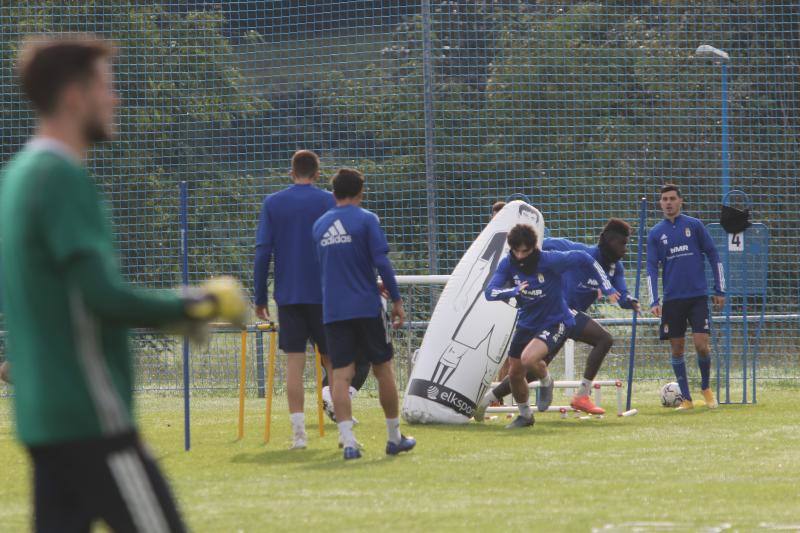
(242, 378)
(273, 348)
(320, 414)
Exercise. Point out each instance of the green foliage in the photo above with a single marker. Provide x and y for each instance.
(178, 83)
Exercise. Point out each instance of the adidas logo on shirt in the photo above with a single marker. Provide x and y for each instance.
(336, 234)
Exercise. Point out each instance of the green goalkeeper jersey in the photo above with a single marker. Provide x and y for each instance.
(67, 344)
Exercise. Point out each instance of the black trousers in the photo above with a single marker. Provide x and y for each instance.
(112, 479)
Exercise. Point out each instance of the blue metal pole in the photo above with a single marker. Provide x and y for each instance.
(725, 153)
(631, 356)
(184, 207)
(725, 189)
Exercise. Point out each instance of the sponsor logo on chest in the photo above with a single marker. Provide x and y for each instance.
(678, 249)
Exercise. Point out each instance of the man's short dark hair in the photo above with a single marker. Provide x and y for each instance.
(497, 207)
(671, 187)
(522, 235)
(347, 183)
(305, 164)
(46, 65)
(616, 227)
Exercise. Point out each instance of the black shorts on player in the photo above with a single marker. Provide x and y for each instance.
(676, 314)
(554, 337)
(299, 324)
(113, 479)
(358, 339)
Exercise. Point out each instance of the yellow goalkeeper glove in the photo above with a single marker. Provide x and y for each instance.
(221, 298)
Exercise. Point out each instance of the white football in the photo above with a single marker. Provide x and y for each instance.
(671, 395)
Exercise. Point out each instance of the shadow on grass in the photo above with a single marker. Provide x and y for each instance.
(269, 457)
(542, 426)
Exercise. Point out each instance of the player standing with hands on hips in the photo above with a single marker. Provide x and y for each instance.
(677, 244)
(351, 247)
(73, 381)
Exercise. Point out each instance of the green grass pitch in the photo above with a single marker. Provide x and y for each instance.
(736, 468)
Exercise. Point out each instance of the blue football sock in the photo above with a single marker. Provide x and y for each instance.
(705, 370)
(679, 367)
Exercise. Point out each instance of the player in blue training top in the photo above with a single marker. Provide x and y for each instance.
(544, 322)
(351, 247)
(284, 230)
(581, 289)
(677, 244)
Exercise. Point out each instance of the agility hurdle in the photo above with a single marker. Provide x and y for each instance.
(596, 385)
(272, 329)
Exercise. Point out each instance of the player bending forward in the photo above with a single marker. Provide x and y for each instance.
(544, 321)
(73, 382)
(677, 244)
(581, 289)
(351, 246)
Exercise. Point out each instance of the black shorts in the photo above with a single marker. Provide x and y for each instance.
(581, 319)
(554, 337)
(676, 314)
(112, 479)
(299, 323)
(358, 339)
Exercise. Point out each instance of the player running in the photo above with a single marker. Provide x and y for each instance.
(68, 311)
(351, 246)
(284, 229)
(677, 244)
(534, 279)
(581, 290)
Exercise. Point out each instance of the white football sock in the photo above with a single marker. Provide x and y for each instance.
(346, 431)
(298, 423)
(490, 397)
(546, 381)
(326, 395)
(525, 409)
(393, 430)
(586, 387)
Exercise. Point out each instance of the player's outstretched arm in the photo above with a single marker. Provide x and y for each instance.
(580, 259)
(498, 287)
(109, 298)
(106, 296)
(626, 301)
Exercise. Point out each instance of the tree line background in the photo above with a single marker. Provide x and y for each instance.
(584, 107)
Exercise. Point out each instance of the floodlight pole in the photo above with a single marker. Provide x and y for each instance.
(721, 56)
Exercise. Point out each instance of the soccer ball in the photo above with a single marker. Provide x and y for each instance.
(671, 395)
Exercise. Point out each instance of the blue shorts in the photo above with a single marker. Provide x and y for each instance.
(358, 339)
(581, 319)
(554, 337)
(676, 314)
(298, 324)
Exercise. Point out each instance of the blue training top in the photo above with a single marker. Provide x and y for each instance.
(580, 285)
(542, 304)
(678, 248)
(351, 246)
(284, 228)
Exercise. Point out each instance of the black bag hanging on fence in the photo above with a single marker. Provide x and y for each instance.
(734, 220)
